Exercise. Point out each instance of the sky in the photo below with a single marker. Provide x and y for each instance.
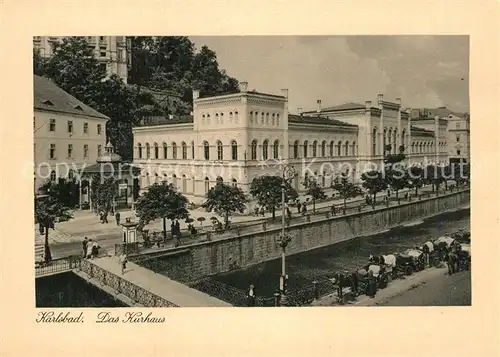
(425, 71)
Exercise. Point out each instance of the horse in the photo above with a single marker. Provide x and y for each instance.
(345, 279)
(452, 259)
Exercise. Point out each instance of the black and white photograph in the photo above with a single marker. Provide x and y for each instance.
(252, 171)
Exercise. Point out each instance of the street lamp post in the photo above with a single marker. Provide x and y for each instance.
(284, 239)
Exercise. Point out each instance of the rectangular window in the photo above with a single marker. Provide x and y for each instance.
(70, 151)
(85, 151)
(85, 128)
(99, 150)
(103, 51)
(101, 38)
(70, 126)
(98, 129)
(52, 152)
(52, 125)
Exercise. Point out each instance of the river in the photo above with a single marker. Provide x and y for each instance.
(321, 263)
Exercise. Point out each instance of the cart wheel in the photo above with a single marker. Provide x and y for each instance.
(408, 270)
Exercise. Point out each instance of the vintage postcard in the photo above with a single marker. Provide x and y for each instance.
(327, 173)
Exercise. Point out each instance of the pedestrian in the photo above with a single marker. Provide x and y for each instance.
(304, 208)
(299, 207)
(251, 296)
(372, 285)
(95, 249)
(172, 229)
(85, 242)
(88, 253)
(333, 210)
(256, 211)
(177, 227)
(105, 217)
(262, 211)
(117, 217)
(123, 262)
(101, 216)
(289, 213)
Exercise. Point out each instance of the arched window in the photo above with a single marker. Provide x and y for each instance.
(323, 149)
(230, 117)
(155, 145)
(332, 145)
(339, 148)
(403, 138)
(220, 150)
(315, 147)
(236, 119)
(207, 185)
(174, 180)
(276, 149)
(353, 148)
(192, 150)
(395, 141)
(305, 148)
(253, 150)
(208, 119)
(234, 150)
(206, 150)
(53, 176)
(71, 174)
(251, 117)
(165, 151)
(374, 141)
(262, 118)
(384, 140)
(412, 148)
(184, 151)
(139, 149)
(267, 118)
(203, 119)
(184, 184)
(174, 150)
(273, 122)
(222, 118)
(346, 148)
(148, 151)
(421, 148)
(265, 147)
(296, 149)
(278, 119)
(235, 183)
(217, 118)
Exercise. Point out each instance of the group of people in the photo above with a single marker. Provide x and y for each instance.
(103, 217)
(90, 248)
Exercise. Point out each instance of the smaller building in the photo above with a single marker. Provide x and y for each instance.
(68, 134)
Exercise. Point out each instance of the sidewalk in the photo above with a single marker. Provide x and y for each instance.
(86, 223)
(173, 291)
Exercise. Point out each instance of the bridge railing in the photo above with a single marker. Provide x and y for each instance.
(134, 292)
(56, 266)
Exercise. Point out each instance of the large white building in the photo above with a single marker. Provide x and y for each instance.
(67, 133)
(112, 52)
(237, 137)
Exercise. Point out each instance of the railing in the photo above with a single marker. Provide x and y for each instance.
(57, 266)
(206, 233)
(134, 292)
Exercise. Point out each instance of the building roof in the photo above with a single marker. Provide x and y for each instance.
(432, 112)
(340, 107)
(110, 168)
(304, 119)
(48, 96)
(422, 131)
(160, 120)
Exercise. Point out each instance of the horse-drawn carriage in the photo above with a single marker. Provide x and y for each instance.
(396, 264)
(418, 257)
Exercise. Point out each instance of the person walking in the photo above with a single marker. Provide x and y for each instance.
(299, 207)
(123, 262)
(88, 253)
(251, 296)
(262, 211)
(333, 210)
(84, 243)
(117, 217)
(95, 249)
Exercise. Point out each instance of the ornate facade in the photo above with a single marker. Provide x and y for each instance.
(237, 137)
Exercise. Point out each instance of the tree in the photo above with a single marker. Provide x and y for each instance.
(39, 63)
(266, 190)
(64, 190)
(433, 175)
(224, 200)
(397, 177)
(162, 200)
(461, 173)
(374, 182)
(415, 178)
(314, 190)
(48, 211)
(346, 189)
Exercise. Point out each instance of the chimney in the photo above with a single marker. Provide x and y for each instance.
(284, 91)
(380, 98)
(368, 104)
(398, 101)
(243, 86)
(196, 94)
(318, 102)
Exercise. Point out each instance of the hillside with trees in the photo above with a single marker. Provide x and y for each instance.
(161, 67)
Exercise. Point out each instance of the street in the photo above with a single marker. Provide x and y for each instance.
(441, 290)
